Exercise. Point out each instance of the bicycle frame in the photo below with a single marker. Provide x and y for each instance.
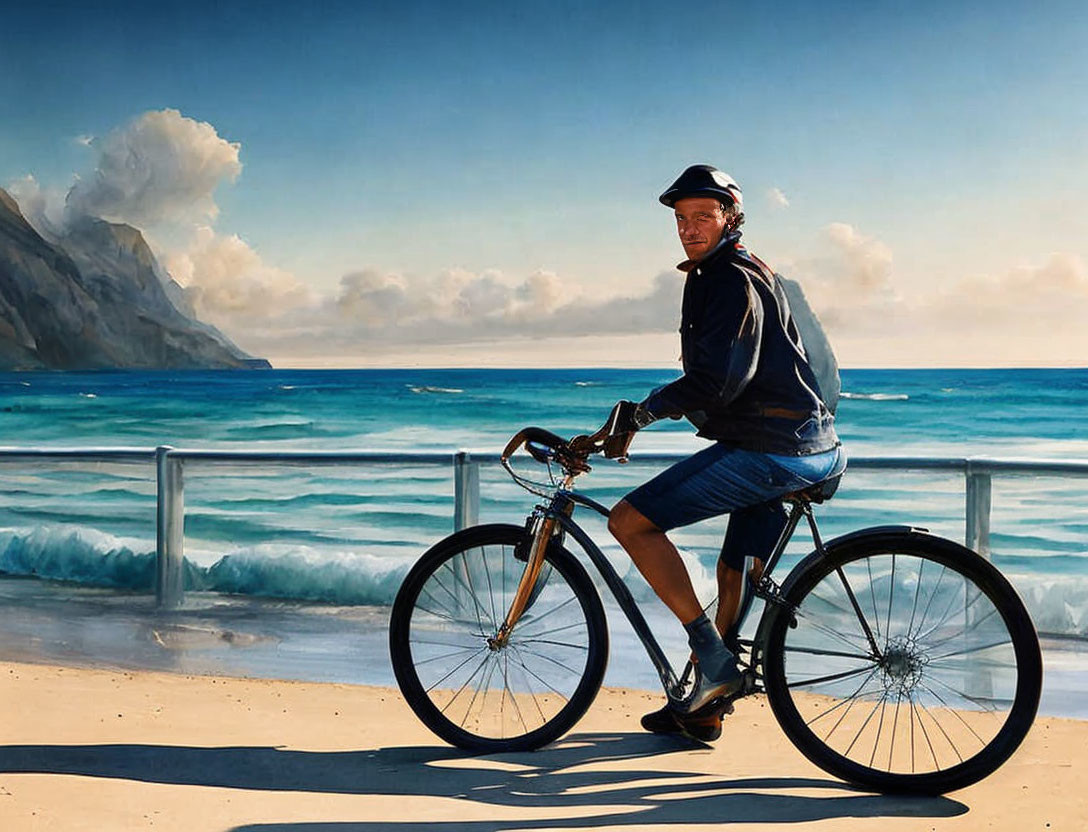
(557, 515)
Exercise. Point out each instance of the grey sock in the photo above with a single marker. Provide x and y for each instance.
(715, 660)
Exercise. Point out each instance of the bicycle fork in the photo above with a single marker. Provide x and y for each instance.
(533, 567)
(545, 529)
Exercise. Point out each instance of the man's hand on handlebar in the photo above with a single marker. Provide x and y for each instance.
(615, 435)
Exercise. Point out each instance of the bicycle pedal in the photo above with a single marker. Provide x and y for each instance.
(721, 706)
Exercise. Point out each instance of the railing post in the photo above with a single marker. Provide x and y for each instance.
(466, 491)
(170, 530)
(978, 678)
(977, 510)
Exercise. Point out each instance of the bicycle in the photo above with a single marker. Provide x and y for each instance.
(892, 658)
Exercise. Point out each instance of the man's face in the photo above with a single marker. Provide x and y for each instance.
(700, 222)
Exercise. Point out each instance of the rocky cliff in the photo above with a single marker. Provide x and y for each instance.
(95, 297)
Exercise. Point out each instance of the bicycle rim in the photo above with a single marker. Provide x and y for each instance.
(909, 665)
(479, 695)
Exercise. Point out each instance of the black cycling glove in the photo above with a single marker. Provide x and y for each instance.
(628, 417)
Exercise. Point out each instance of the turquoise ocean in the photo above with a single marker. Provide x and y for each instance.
(291, 570)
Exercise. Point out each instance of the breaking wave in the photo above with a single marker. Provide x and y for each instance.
(876, 397)
(428, 388)
(299, 573)
(1058, 605)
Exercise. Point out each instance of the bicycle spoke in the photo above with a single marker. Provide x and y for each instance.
(552, 631)
(556, 643)
(925, 734)
(866, 722)
(506, 686)
(823, 628)
(941, 728)
(421, 662)
(872, 595)
(857, 611)
(462, 664)
(487, 575)
(967, 650)
(891, 601)
(895, 724)
(479, 667)
(485, 682)
(436, 615)
(917, 590)
(518, 663)
(440, 643)
(957, 714)
(444, 617)
(850, 699)
(816, 651)
(477, 606)
(444, 588)
(948, 613)
(536, 619)
(975, 624)
(831, 678)
(929, 603)
(548, 658)
(529, 670)
(475, 598)
(879, 729)
(987, 705)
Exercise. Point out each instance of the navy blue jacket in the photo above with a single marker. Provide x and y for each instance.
(747, 380)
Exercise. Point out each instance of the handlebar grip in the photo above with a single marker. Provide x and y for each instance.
(537, 435)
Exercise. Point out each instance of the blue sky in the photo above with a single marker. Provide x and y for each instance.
(512, 138)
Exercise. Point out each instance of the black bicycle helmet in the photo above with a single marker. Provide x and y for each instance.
(704, 180)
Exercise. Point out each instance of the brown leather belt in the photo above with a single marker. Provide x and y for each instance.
(784, 413)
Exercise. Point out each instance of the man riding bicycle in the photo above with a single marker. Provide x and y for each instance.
(748, 385)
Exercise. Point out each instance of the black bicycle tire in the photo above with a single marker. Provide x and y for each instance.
(986, 577)
(408, 679)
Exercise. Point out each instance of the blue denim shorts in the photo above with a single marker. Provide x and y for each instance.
(723, 479)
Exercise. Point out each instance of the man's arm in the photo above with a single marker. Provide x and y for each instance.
(726, 354)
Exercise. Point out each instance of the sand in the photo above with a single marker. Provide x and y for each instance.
(107, 750)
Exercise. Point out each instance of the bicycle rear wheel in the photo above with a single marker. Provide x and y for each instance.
(473, 695)
(909, 663)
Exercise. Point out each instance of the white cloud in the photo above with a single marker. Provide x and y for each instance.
(777, 198)
(161, 167)
(228, 283)
(383, 312)
(159, 173)
(42, 207)
(848, 278)
(1027, 300)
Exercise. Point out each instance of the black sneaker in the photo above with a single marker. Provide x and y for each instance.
(705, 728)
(663, 721)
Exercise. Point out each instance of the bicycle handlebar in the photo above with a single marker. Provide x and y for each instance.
(539, 436)
(544, 446)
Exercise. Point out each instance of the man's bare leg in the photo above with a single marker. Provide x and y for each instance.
(657, 559)
(730, 589)
(660, 563)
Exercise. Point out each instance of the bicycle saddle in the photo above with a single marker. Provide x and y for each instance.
(818, 492)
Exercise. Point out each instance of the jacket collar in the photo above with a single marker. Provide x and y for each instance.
(730, 241)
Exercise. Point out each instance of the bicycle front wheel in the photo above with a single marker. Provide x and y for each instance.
(908, 663)
(484, 697)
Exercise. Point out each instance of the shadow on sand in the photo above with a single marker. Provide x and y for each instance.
(552, 777)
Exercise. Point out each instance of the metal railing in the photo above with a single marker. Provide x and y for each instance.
(170, 465)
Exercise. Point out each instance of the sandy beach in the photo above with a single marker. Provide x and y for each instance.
(98, 749)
